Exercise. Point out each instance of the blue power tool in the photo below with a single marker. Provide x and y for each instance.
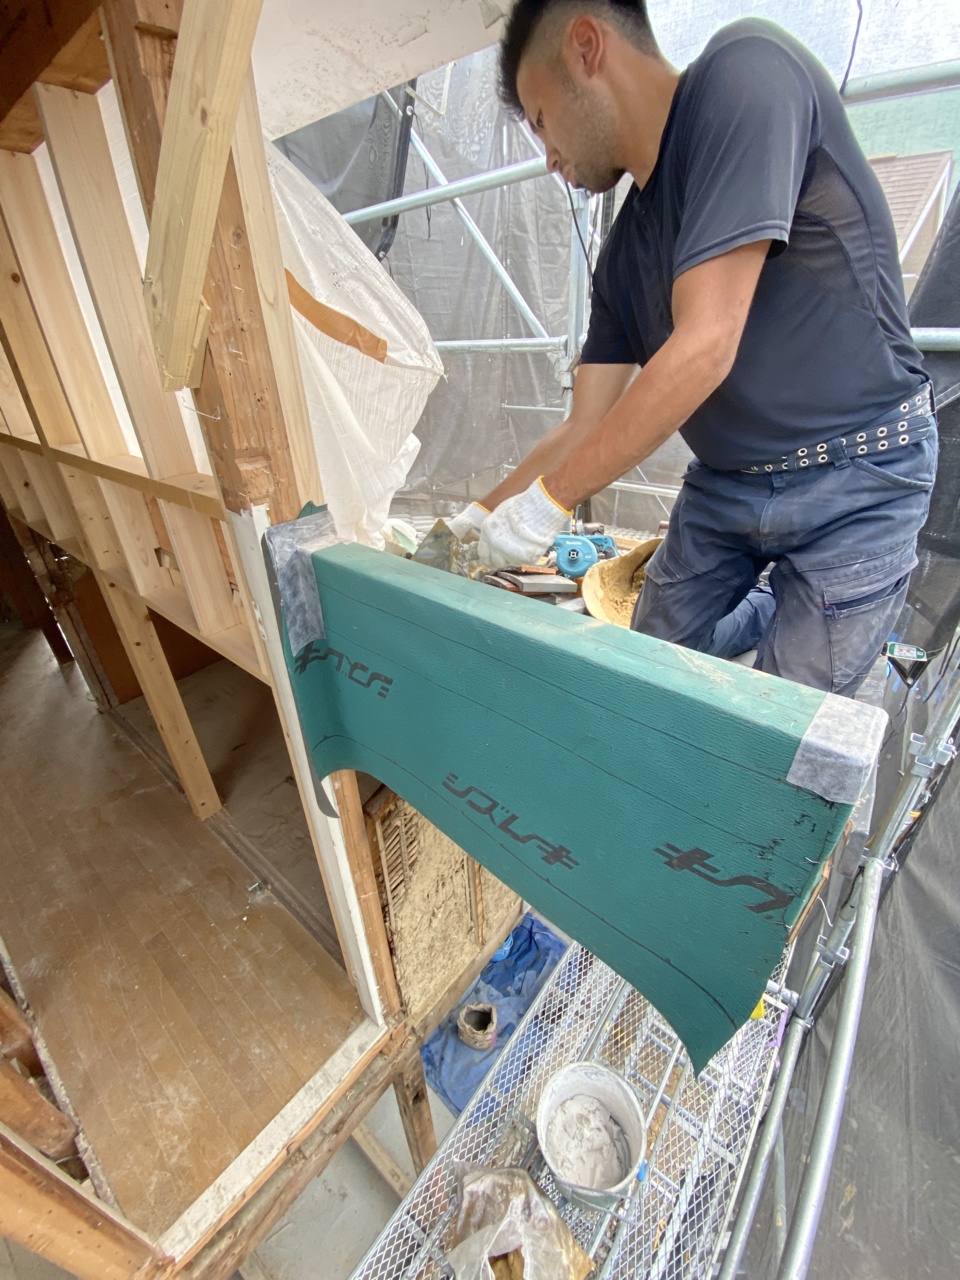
(578, 552)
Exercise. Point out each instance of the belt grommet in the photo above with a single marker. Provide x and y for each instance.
(804, 462)
(904, 439)
(862, 449)
(882, 431)
(821, 448)
(768, 467)
(902, 426)
(802, 453)
(861, 435)
(884, 444)
(904, 407)
(823, 458)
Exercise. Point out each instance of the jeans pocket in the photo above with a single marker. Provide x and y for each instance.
(857, 629)
(912, 468)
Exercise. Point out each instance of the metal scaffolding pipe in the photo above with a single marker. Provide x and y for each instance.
(936, 339)
(813, 1190)
(898, 84)
(749, 1203)
(499, 270)
(463, 187)
(490, 346)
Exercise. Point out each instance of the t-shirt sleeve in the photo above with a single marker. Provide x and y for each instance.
(750, 133)
(606, 341)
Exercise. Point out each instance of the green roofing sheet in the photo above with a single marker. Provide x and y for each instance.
(632, 791)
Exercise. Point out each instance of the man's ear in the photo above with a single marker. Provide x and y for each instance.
(584, 45)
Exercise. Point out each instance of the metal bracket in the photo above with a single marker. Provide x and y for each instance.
(831, 957)
(925, 762)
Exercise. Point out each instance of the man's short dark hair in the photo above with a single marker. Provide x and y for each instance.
(628, 16)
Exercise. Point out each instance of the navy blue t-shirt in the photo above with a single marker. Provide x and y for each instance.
(757, 146)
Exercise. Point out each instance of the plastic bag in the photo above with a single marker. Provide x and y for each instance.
(362, 411)
(503, 1214)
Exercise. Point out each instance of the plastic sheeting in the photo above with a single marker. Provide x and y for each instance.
(892, 1210)
(362, 412)
(453, 1069)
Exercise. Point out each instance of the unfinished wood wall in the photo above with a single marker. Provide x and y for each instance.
(155, 491)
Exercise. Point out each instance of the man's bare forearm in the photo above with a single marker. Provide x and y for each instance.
(662, 396)
(710, 306)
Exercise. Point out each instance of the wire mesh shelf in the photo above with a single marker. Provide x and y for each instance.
(700, 1132)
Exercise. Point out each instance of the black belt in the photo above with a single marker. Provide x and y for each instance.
(913, 421)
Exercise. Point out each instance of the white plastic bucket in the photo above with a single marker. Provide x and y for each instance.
(620, 1101)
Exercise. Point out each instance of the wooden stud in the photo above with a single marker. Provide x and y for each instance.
(212, 61)
(163, 697)
(238, 398)
(81, 65)
(18, 580)
(13, 412)
(34, 234)
(137, 538)
(260, 218)
(83, 165)
(8, 494)
(26, 348)
(26, 502)
(144, 650)
(48, 487)
(97, 531)
(46, 1212)
(357, 847)
(382, 1161)
(201, 566)
(410, 1086)
(31, 36)
(29, 1114)
(16, 1036)
(195, 490)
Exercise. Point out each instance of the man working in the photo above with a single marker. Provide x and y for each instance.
(753, 275)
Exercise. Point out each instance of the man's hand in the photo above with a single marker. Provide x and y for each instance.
(522, 529)
(466, 525)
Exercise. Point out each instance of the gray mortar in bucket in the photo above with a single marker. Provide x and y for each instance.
(590, 1125)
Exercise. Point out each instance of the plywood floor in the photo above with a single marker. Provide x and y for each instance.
(181, 1012)
(236, 723)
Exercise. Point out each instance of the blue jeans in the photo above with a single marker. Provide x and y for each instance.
(842, 538)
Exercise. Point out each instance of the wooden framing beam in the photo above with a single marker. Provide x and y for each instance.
(410, 1087)
(40, 385)
(28, 1113)
(16, 1035)
(31, 36)
(81, 65)
(238, 399)
(45, 1211)
(212, 61)
(149, 662)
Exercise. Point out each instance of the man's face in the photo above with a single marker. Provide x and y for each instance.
(574, 122)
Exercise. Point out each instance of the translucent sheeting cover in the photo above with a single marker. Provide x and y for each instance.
(893, 1203)
(362, 411)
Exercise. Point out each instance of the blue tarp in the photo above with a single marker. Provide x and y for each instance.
(453, 1069)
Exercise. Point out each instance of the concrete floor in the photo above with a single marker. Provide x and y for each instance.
(340, 1214)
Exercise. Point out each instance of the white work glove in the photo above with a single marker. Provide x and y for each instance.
(522, 529)
(466, 526)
